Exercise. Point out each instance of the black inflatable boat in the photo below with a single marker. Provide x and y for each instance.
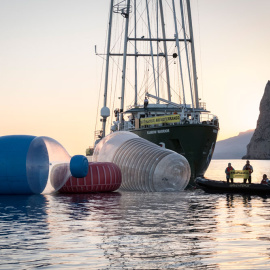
(213, 186)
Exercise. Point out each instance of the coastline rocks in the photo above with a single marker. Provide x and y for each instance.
(259, 146)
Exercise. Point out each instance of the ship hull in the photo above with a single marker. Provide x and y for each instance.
(196, 142)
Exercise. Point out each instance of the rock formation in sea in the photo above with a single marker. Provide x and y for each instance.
(234, 147)
(259, 146)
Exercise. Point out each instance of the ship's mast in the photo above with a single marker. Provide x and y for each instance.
(157, 54)
(165, 49)
(135, 52)
(151, 46)
(126, 15)
(178, 49)
(193, 55)
(186, 49)
(105, 112)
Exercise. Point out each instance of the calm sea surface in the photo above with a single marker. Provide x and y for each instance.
(132, 230)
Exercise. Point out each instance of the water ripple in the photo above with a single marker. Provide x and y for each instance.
(131, 230)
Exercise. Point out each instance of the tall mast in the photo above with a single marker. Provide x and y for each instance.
(151, 46)
(157, 55)
(124, 61)
(184, 29)
(193, 55)
(178, 49)
(165, 50)
(135, 52)
(105, 112)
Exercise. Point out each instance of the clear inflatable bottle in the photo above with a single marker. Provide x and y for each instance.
(144, 166)
(27, 163)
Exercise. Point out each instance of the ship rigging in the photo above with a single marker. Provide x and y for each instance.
(153, 40)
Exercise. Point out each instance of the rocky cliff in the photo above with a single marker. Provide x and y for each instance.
(259, 146)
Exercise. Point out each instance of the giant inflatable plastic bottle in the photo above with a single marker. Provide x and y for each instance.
(26, 162)
(144, 166)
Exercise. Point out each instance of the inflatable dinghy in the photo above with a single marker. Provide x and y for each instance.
(213, 186)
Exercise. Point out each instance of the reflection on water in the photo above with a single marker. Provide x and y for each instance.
(23, 231)
(132, 230)
(157, 230)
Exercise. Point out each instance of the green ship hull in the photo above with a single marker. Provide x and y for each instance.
(196, 142)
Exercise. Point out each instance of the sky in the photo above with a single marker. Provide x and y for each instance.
(50, 77)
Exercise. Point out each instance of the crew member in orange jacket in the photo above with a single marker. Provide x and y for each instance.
(228, 171)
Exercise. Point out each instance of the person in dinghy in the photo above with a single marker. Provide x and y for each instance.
(250, 169)
(265, 180)
(228, 171)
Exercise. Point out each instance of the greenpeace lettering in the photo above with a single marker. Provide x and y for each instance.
(150, 132)
(237, 185)
(175, 118)
(164, 131)
(239, 174)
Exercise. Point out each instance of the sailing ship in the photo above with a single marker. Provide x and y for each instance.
(156, 79)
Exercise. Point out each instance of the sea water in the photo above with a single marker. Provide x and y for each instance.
(133, 230)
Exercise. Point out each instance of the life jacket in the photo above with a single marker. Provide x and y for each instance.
(229, 169)
(264, 182)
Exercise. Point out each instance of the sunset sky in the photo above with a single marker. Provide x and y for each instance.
(50, 75)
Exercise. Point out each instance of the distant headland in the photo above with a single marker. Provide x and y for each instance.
(234, 147)
(259, 146)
